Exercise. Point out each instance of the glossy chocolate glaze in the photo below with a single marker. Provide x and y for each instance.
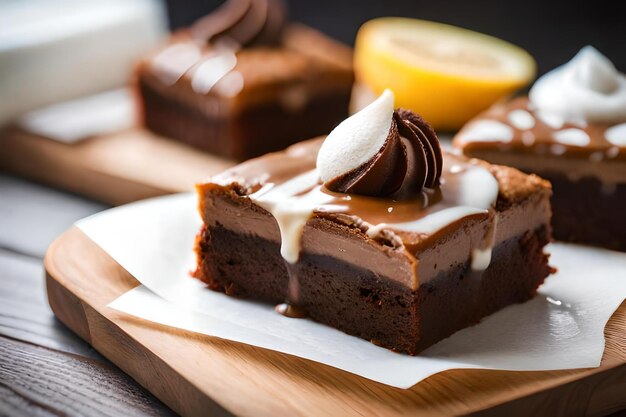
(518, 126)
(297, 174)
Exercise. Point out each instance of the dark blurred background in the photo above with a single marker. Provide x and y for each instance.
(552, 31)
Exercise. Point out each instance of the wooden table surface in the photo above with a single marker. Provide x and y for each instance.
(46, 370)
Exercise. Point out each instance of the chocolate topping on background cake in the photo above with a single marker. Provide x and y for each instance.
(243, 23)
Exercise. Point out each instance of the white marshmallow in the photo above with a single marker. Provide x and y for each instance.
(357, 139)
(51, 51)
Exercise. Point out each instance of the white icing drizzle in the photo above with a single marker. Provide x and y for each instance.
(616, 135)
(528, 138)
(572, 137)
(357, 139)
(173, 62)
(481, 256)
(553, 120)
(486, 131)
(588, 88)
(521, 119)
(292, 209)
(230, 85)
(212, 70)
(477, 188)
(429, 224)
(293, 203)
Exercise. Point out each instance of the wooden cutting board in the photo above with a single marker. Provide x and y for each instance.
(116, 168)
(200, 375)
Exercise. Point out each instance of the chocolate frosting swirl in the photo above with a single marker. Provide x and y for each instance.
(409, 160)
(427, 137)
(243, 23)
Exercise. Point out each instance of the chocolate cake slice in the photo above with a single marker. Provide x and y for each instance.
(572, 132)
(376, 232)
(242, 82)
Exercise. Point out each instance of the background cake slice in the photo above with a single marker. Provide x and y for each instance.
(571, 130)
(242, 81)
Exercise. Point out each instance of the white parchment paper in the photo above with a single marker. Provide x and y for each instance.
(72, 121)
(561, 328)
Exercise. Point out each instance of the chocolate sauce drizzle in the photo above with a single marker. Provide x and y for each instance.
(290, 308)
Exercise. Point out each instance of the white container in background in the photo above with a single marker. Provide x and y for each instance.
(51, 51)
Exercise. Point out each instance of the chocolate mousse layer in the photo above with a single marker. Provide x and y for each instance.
(403, 273)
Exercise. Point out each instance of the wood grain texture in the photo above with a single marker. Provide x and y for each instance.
(32, 215)
(24, 311)
(39, 381)
(116, 169)
(45, 369)
(198, 375)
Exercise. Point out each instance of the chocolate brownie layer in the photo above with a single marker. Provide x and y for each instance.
(588, 211)
(362, 303)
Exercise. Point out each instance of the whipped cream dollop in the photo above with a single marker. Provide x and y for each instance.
(588, 88)
(240, 23)
(380, 151)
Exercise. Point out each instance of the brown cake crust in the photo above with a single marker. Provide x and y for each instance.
(405, 296)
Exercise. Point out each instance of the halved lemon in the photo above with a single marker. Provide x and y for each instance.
(445, 73)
